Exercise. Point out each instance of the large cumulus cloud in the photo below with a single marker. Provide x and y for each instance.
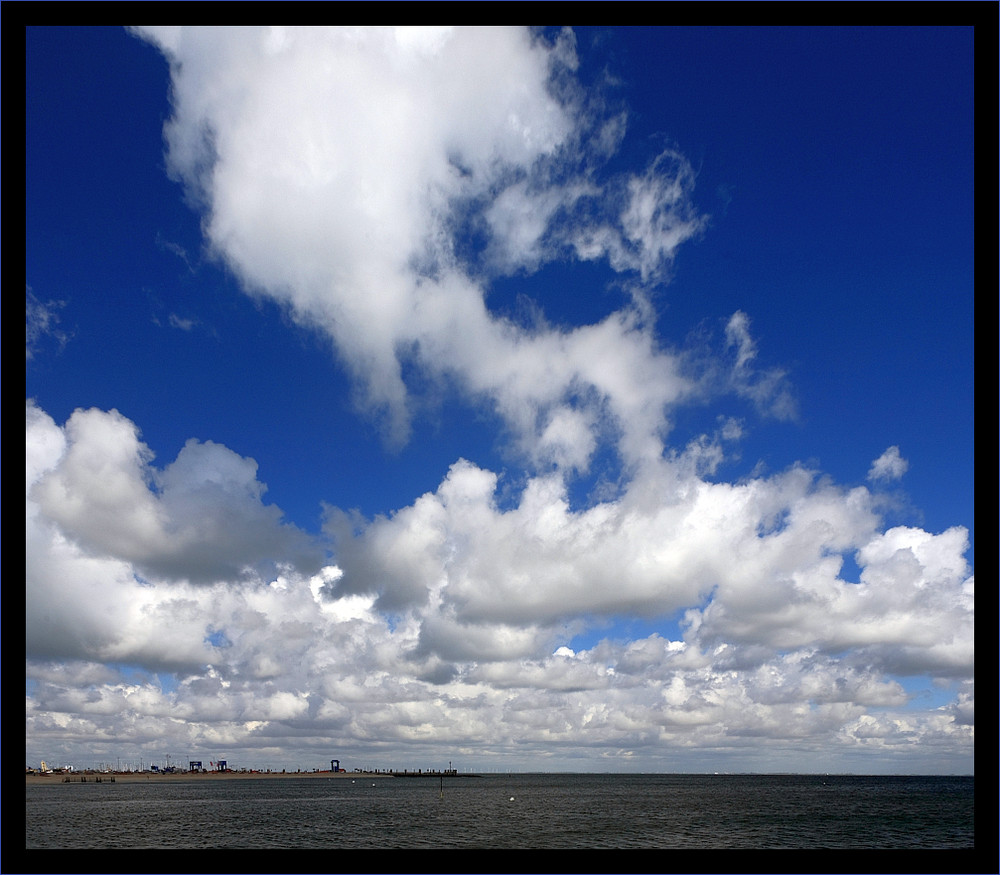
(338, 167)
(454, 614)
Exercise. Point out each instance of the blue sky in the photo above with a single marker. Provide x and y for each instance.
(517, 395)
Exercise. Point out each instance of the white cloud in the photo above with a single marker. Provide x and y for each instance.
(329, 160)
(764, 557)
(339, 191)
(201, 518)
(889, 466)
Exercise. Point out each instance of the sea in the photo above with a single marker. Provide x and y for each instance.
(506, 811)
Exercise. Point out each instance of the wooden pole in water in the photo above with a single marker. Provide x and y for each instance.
(441, 796)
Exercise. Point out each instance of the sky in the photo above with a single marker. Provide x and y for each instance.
(590, 400)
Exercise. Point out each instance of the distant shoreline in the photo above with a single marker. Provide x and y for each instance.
(161, 777)
(90, 777)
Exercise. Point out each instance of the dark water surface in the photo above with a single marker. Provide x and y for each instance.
(540, 811)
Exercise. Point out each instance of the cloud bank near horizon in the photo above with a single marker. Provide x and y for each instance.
(375, 182)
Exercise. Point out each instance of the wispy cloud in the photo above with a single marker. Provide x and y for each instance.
(176, 321)
(41, 321)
